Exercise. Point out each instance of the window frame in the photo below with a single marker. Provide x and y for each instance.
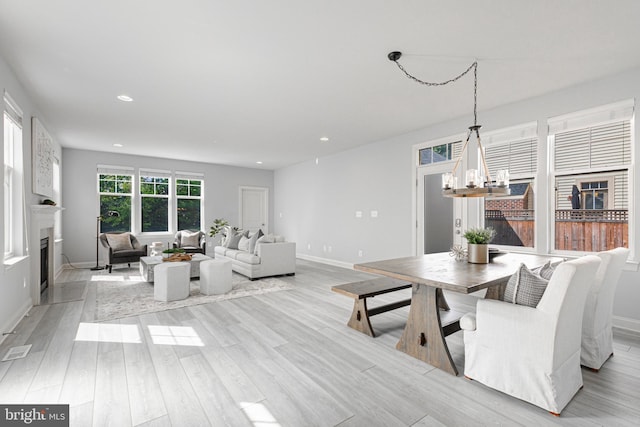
(8, 182)
(57, 197)
(13, 198)
(136, 196)
(155, 174)
(583, 119)
(117, 171)
(609, 179)
(522, 133)
(452, 150)
(188, 177)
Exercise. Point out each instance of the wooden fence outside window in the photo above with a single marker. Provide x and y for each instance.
(576, 229)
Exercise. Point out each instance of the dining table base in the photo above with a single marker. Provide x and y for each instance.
(430, 322)
(430, 319)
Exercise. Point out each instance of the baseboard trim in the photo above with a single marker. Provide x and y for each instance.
(327, 261)
(80, 265)
(12, 324)
(631, 325)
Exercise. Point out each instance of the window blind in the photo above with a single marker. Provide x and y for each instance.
(156, 173)
(593, 147)
(512, 148)
(189, 175)
(115, 170)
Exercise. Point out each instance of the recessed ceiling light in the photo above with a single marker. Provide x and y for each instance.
(259, 162)
(117, 145)
(125, 98)
(324, 139)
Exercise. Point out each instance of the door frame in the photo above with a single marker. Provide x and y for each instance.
(417, 212)
(265, 191)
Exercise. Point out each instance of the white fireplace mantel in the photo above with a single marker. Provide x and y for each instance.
(42, 223)
(45, 210)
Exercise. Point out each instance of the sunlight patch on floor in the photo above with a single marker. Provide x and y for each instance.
(106, 278)
(175, 335)
(259, 415)
(107, 332)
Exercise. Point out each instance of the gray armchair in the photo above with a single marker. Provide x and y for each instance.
(121, 248)
(190, 242)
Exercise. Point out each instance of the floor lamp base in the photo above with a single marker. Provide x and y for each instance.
(97, 267)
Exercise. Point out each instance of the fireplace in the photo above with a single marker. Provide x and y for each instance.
(44, 264)
(42, 259)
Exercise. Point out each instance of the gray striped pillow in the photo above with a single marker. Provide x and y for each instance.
(547, 270)
(525, 287)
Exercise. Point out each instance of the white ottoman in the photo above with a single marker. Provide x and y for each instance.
(171, 281)
(215, 277)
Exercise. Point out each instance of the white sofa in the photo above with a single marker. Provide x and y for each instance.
(268, 259)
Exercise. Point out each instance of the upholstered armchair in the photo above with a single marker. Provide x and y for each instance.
(121, 248)
(532, 353)
(191, 241)
(597, 336)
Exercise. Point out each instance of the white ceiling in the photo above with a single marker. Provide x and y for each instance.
(235, 82)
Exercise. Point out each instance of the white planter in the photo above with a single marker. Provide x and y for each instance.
(478, 254)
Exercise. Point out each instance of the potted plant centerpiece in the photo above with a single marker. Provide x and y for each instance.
(478, 244)
(167, 253)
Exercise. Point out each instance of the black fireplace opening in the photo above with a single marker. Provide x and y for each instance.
(44, 264)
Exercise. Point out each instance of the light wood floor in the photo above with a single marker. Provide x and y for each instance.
(284, 358)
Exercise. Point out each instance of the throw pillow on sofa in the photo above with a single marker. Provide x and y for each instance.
(188, 239)
(243, 244)
(525, 287)
(120, 242)
(233, 238)
(253, 239)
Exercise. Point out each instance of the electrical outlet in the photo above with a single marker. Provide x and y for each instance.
(360, 253)
(308, 246)
(358, 214)
(374, 214)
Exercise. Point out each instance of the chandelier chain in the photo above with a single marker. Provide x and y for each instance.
(473, 66)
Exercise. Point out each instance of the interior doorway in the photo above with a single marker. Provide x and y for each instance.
(438, 224)
(254, 209)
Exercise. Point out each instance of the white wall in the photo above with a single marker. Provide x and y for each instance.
(318, 202)
(79, 184)
(15, 280)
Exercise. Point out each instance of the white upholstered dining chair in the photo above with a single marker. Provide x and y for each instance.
(532, 353)
(597, 336)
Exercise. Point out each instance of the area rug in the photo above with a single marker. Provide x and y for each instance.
(120, 299)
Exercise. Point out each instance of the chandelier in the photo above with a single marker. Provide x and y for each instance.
(475, 185)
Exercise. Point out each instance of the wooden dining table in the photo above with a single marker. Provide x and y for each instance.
(430, 318)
